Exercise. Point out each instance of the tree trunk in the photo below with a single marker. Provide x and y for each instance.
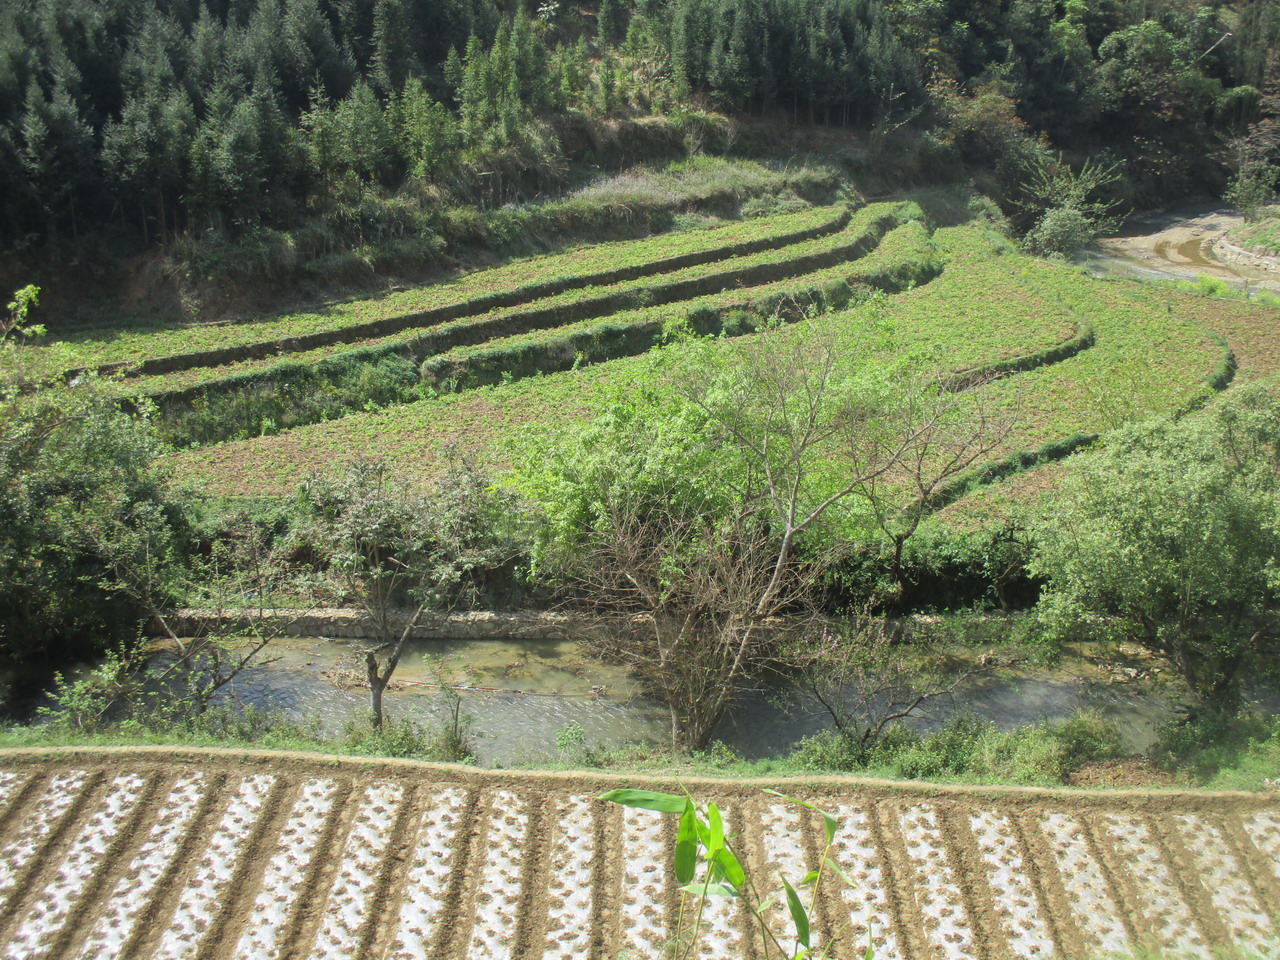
(376, 686)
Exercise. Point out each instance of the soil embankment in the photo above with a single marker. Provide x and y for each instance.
(163, 853)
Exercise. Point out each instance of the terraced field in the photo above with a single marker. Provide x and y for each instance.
(1080, 356)
(144, 351)
(537, 341)
(1251, 332)
(719, 279)
(215, 854)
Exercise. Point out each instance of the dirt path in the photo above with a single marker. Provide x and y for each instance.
(216, 855)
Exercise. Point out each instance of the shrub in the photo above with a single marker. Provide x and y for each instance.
(837, 295)
(739, 322)
(970, 748)
(1060, 232)
(81, 487)
(1251, 189)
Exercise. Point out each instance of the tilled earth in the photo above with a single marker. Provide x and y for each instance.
(222, 854)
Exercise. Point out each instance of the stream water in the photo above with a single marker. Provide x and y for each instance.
(519, 694)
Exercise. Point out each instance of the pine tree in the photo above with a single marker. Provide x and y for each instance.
(611, 25)
(424, 131)
(394, 45)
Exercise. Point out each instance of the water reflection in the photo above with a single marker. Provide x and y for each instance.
(520, 694)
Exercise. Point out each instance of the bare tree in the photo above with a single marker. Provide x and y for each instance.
(230, 615)
(866, 680)
(952, 431)
(695, 515)
(680, 601)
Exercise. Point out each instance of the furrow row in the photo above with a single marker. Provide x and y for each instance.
(231, 866)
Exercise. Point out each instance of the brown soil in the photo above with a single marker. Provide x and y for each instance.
(519, 819)
(1125, 772)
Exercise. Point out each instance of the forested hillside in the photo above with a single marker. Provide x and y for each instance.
(245, 136)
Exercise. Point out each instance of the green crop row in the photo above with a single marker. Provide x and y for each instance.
(294, 392)
(858, 234)
(1144, 361)
(862, 231)
(149, 351)
(1015, 320)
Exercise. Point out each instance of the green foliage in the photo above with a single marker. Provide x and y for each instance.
(1060, 232)
(208, 121)
(19, 310)
(290, 395)
(705, 865)
(986, 301)
(1251, 189)
(79, 716)
(1070, 207)
(79, 487)
(571, 738)
(867, 680)
(969, 749)
(295, 392)
(1168, 538)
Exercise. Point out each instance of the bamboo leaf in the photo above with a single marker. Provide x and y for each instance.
(733, 871)
(710, 890)
(839, 872)
(799, 915)
(715, 824)
(686, 853)
(809, 877)
(647, 800)
(830, 822)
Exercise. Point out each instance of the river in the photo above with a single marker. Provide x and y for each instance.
(520, 694)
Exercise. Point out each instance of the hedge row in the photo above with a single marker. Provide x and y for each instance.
(1084, 339)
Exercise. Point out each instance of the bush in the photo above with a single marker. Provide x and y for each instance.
(970, 748)
(1251, 189)
(81, 488)
(404, 738)
(837, 295)
(1225, 751)
(1060, 232)
(293, 395)
(1169, 537)
(739, 322)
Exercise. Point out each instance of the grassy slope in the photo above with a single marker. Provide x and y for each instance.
(1262, 237)
(1252, 331)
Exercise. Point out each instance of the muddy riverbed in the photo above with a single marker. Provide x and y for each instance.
(1177, 244)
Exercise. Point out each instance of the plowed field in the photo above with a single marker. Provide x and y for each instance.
(214, 854)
